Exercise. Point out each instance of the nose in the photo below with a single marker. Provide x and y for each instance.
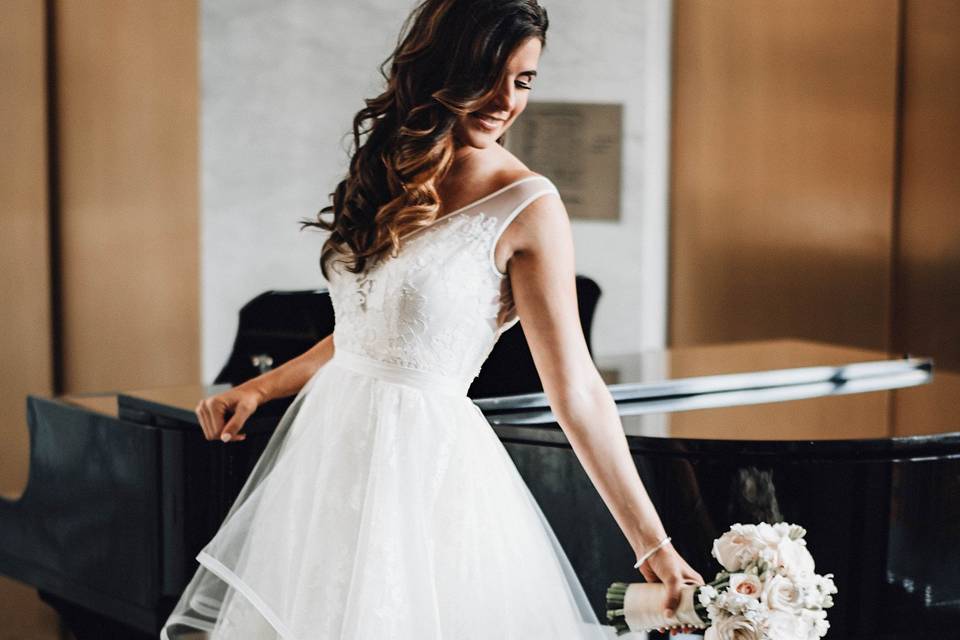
(505, 98)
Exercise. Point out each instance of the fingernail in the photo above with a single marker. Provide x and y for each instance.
(225, 437)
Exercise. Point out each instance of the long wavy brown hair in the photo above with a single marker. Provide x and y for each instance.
(449, 60)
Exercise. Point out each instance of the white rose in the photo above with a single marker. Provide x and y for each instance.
(737, 628)
(737, 548)
(794, 559)
(746, 584)
(784, 626)
(769, 534)
(782, 594)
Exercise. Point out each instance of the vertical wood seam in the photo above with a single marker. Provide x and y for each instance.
(895, 342)
(53, 198)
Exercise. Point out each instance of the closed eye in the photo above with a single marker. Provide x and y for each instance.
(527, 74)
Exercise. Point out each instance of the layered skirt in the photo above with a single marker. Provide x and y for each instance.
(384, 507)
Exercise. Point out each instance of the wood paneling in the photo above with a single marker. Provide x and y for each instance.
(783, 149)
(927, 313)
(25, 346)
(127, 95)
(108, 240)
(928, 273)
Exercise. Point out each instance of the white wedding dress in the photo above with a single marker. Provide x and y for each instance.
(384, 506)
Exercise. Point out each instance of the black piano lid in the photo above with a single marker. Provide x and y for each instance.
(771, 397)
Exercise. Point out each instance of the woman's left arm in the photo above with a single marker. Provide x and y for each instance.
(543, 280)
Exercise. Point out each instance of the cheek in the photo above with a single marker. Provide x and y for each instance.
(516, 114)
(462, 127)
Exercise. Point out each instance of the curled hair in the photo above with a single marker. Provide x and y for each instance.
(450, 58)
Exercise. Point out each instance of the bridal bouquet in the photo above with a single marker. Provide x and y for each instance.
(767, 590)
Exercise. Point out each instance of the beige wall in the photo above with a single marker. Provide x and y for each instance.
(127, 94)
(814, 179)
(814, 174)
(25, 345)
(782, 170)
(99, 262)
(927, 287)
(928, 273)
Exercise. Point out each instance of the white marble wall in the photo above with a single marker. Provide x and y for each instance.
(281, 81)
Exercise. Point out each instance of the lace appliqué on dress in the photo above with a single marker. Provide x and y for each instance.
(426, 307)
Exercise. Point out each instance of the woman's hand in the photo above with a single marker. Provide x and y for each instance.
(668, 567)
(241, 400)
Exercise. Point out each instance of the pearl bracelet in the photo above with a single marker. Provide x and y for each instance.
(651, 552)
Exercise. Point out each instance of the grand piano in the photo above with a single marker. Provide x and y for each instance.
(860, 447)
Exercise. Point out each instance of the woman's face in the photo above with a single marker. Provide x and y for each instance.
(482, 127)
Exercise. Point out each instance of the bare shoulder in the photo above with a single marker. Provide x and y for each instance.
(538, 226)
(511, 168)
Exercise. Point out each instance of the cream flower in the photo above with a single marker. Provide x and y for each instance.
(746, 584)
(769, 534)
(785, 626)
(793, 559)
(737, 628)
(737, 548)
(781, 593)
(815, 623)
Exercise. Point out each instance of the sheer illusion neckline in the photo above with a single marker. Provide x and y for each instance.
(470, 205)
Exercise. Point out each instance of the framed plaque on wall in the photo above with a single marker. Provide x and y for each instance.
(578, 146)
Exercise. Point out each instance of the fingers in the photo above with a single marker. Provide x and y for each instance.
(205, 418)
(210, 413)
(673, 598)
(692, 577)
(240, 414)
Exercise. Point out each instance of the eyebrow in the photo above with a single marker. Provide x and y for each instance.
(527, 73)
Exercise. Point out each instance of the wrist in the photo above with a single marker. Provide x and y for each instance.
(647, 538)
(257, 389)
(651, 550)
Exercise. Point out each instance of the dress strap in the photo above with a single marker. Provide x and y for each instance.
(512, 203)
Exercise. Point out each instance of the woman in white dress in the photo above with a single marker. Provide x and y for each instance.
(384, 506)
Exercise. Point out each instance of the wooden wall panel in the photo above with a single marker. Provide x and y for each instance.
(928, 274)
(25, 345)
(927, 314)
(782, 165)
(127, 94)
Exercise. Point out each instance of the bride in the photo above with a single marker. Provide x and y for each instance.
(384, 506)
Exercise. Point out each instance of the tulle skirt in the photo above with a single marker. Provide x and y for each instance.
(383, 507)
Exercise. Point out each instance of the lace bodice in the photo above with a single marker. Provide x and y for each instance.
(441, 303)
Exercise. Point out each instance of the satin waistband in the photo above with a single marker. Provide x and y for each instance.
(426, 380)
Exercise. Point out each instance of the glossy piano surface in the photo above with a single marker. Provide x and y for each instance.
(874, 475)
(774, 430)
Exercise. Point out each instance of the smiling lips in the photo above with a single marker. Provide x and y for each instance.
(487, 122)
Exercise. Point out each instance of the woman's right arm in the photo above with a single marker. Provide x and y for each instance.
(243, 400)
